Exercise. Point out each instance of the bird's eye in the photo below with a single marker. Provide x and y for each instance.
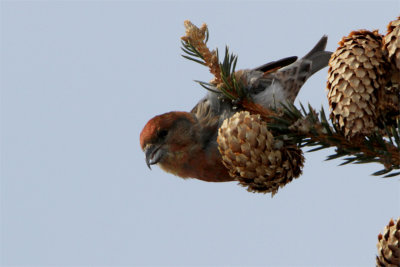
(162, 133)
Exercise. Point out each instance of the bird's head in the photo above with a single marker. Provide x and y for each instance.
(167, 138)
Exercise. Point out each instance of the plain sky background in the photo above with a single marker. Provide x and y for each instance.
(79, 80)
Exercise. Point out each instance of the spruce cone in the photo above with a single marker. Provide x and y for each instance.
(391, 42)
(356, 74)
(254, 157)
(389, 245)
(389, 102)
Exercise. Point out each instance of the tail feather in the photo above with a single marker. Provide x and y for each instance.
(290, 78)
(320, 46)
(318, 56)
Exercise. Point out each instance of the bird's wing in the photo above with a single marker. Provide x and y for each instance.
(274, 82)
(212, 105)
(275, 65)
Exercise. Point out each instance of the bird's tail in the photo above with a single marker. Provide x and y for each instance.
(318, 56)
(295, 75)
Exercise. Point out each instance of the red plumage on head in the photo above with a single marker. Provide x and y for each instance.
(163, 121)
(186, 150)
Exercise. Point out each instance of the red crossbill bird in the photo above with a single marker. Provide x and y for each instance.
(185, 143)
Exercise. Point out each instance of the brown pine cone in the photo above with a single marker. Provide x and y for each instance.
(391, 42)
(356, 74)
(389, 245)
(254, 157)
(389, 104)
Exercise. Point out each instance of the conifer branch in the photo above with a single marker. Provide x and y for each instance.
(305, 128)
(308, 130)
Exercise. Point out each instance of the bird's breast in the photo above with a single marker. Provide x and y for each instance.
(203, 164)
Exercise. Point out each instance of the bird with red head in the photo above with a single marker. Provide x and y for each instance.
(185, 143)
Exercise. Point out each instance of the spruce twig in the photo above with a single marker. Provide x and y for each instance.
(304, 127)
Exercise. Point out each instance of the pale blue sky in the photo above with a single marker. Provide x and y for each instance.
(79, 79)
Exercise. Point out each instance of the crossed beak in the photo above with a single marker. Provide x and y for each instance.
(153, 154)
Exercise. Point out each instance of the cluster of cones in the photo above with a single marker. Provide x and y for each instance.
(364, 81)
(364, 97)
(364, 89)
